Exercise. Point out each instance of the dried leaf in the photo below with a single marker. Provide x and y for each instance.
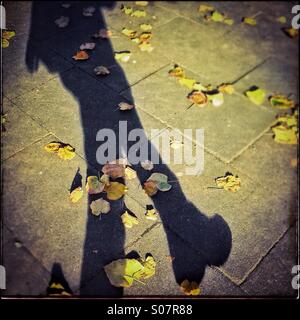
(145, 36)
(53, 147)
(190, 288)
(150, 187)
(129, 33)
(291, 32)
(89, 11)
(123, 56)
(100, 206)
(147, 165)
(8, 34)
(93, 185)
(226, 88)
(141, 3)
(129, 220)
(62, 22)
(256, 95)
(138, 13)
(249, 21)
(103, 34)
(281, 102)
(115, 190)
(286, 135)
(146, 27)
(176, 72)
(189, 83)
(229, 182)
(130, 173)
(87, 46)
(198, 98)
(67, 152)
(125, 106)
(144, 46)
(81, 55)
(76, 195)
(204, 8)
(101, 71)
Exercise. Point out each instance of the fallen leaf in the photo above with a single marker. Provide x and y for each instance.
(114, 170)
(87, 46)
(249, 21)
(138, 13)
(76, 195)
(281, 19)
(89, 11)
(176, 72)
(103, 34)
(151, 213)
(148, 269)
(8, 34)
(146, 27)
(125, 106)
(204, 8)
(216, 16)
(130, 173)
(291, 32)
(226, 88)
(123, 56)
(100, 206)
(93, 185)
(190, 288)
(216, 99)
(281, 102)
(289, 120)
(285, 135)
(147, 165)
(67, 152)
(126, 10)
(115, 190)
(150, 187)
(128, 32)
(189, 83)
(145, 36)
(53, 147)
(229, 182)
(199, 87)
(129, 220)
(256, 95)
(101, 71)
(161, 181)
(228, 21)
(141, 3)
(104, 179)
(4, 43)
(144, 46)
(62, 22)
(170, 258)
(81, 55)
(56, 289)
(198, 97)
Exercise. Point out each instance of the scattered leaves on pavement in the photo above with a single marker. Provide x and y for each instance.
(129, 220)
(76, 195)
(190, 288)
(115, 190)
(81, 55)
(125, 106)
(229, 182)
(250, 21)
(62, 22)
(100, 206)
(281, 102)
(123, 56)
(147, 165)
(87, 46)
(94, 185)
(256, 95)
(101, 71)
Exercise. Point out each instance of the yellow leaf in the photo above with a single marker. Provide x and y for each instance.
(8, 34)
(204, 8)
(291, 32)
(144, 46)
(256, 95)
(130, 173)
(189, 83)
(216, 16)
(141, 3)
(228, 21)
(138, 13)
(123, 56)
(128, 32)
(226, 88)
(281, 19)
(281, 102)
(217, 99)
(99, 206)
(229, 182)
(93, 185)
(145, 36)
(148, 269)
(146, 27)
(4, 43)
(114, 170)
(199, 98)
(66, 153)
(76, 195)
(56, 285)
(128, 219)
(126, 10)
(285, 135)
(250, 21)
(52, 147)
(199, 87)
(151, 213)
(176, 72)
(115, 190)
(190, 288)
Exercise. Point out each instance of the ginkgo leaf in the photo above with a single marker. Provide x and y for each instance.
(100, 206)
(104, 179)
(141, 3)
(87, 46)
(189, 83)
(226, 88)
(89, 11)
(62, 22)
(144, 46)
(146, 27)
(250, 21)
(114, 170)
(53, 147)
(115, 190)
(204, 8)
(176, 72)
(81, 55)
(285, 135)
(190, 288)
(138, 13)
(67, 152)
(93, 185)
(151, 213)
(228, 21)
(125, 106)
(148, 270)
(4, 43)
(217, 16)
(145, 36)
(8, 34)
(76, 195)
(103, 34)
(281, 19)
(198, 97)
(123, 56)
(126, 10)
(289, 120)
(147, 165)
(150, 187)
(216, 99)
(229, 182)
(281, 102)
(129, 220)
(130, 173)
(256, 95)
(161, 181)
(128, 32)
(291, 32)
(101, 71)
(199, 87)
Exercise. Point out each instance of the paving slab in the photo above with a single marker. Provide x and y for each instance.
(273, 276)
(17, 260)
(21, 130)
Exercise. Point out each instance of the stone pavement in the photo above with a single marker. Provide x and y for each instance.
(48, 96)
